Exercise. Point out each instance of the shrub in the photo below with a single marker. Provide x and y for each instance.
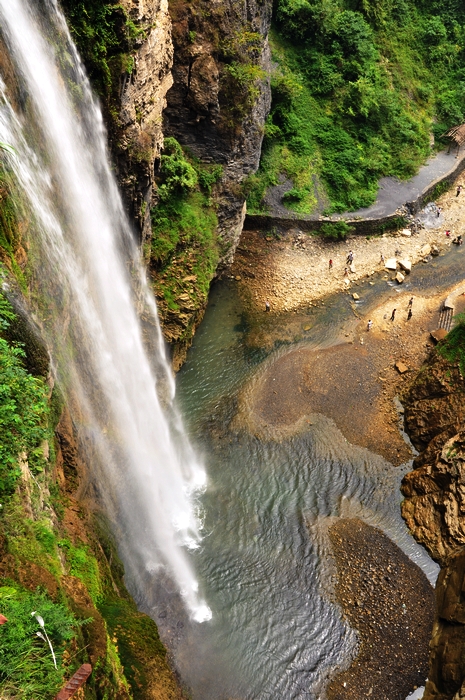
(23, 410)
(337, 229)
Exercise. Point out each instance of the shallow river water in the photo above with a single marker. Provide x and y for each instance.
(263, 565)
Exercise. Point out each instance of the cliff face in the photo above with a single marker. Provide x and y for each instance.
(434, 509)
(221, 95)
(142, 91)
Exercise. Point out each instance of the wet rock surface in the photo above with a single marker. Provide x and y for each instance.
(391, 604)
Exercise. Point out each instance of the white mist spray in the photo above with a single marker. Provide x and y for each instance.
(143, 465)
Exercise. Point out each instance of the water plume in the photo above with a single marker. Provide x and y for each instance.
(92, 293)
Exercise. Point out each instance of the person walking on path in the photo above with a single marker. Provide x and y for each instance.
(459, 189)
(330, 264)
(438, 211)
(410, 303)
(409, 315)
(267, 306)
(393, 315)
(346, 272)
(382, 259)
(369, 325)
(350, 257)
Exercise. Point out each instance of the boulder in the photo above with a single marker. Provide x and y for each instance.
(355, 296)
(352, 267)
(434, 250)
(400, 277)
(406, 232)
(401, 367)
(425, 250)
(391, 264)
(438, 335)
(405, 264)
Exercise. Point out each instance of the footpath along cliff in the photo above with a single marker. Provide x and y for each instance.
(434, 502)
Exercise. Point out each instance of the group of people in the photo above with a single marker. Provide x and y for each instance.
(393, 314)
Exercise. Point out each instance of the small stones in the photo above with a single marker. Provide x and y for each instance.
(401, 367)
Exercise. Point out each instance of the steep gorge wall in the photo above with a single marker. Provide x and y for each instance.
(434, 508)
(218, 104)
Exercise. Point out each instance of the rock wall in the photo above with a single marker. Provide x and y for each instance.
(434, 509)
(139, 133)
(218, 120)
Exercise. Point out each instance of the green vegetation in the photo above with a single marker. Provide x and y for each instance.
(27, 671)
(453, 345)
(184, 228)
(357, 89)
(11, 211)
(337, 229)
(107, 38)
(23, 411)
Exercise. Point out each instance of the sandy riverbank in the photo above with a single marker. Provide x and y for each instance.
(288, 276)
(354, 380)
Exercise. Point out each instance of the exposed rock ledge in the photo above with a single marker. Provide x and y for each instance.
(434, 510)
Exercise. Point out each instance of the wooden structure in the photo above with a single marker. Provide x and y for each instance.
(74, 683)
(457, 136)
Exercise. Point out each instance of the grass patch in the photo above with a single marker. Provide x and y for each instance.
(27, 671)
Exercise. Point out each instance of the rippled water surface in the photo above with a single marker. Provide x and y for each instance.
(263, 564)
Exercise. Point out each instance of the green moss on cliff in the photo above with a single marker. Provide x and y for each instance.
(105, 36)
(184, 250)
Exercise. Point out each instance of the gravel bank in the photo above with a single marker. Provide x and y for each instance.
(391, 604)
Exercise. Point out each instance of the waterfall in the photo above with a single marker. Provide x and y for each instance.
(92, 293)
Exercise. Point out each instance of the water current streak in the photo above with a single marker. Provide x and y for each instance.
(89, 282)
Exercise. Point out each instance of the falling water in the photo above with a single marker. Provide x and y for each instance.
(91, 295)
